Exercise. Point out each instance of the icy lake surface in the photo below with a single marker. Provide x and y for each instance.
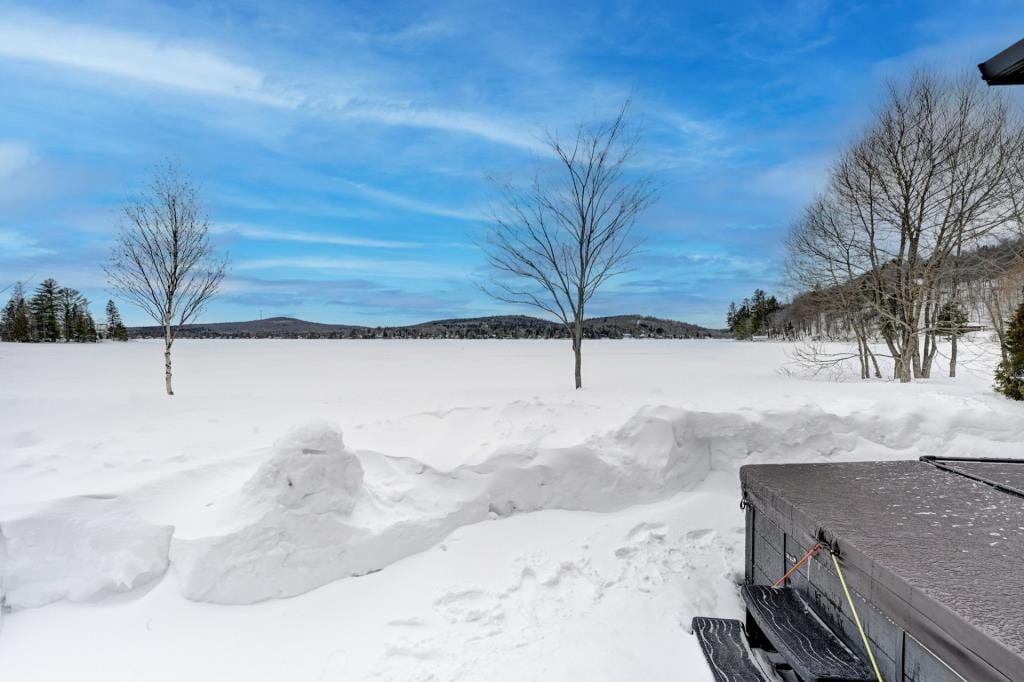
(411, 510)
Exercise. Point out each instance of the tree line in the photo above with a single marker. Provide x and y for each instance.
(55, 313)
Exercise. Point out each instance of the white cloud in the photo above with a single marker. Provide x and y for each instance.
(138, 57)
(286, 235)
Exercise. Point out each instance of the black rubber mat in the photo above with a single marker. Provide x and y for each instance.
(725, 647)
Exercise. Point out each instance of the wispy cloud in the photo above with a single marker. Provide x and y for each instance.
(201, 69)
(287, 235)
(409, 203)
(134, 56)
(16, 245)
(413, 269)
(13, 157)
(796, 180)
(408, 114)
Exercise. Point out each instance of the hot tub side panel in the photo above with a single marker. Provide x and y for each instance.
(776, 541)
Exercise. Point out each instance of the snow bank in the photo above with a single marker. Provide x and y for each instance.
(650, 457)
(321, 520)
(316, 511)
(80, 549)
(318, 520)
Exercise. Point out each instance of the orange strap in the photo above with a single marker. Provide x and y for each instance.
(798, 564)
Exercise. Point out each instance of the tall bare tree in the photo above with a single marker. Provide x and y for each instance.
(933, 178)
(555, 242)
(163, 261)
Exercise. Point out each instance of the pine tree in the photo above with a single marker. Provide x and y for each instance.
(46, 312)
(70, 303)
(84, 329)
(1010, 373)
(115, 327)
(7, 317)
(952, 320)
(14, 321)
(21, 330)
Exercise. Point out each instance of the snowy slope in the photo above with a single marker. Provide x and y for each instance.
(502, 526)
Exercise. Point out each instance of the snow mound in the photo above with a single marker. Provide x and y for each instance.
(81, 549)
(310, 471)
(308, 518)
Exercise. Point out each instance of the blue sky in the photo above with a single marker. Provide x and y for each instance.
(344, 148)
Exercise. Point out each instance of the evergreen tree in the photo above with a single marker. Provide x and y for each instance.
(22, 329)
(754, 316)
(46, 311)
(952, 320)
(70, 305)
(743, 321)
(7, 316)
(115, 327)
(1010, 373)
(84, 329)
(14, 321)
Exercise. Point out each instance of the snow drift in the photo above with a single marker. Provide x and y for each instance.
(312, 517)
(315, 511)
(80, 549)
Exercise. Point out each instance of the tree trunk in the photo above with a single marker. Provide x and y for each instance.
(874, 362)
(167, 360)
(577, 349)
(577, 337)
(931, 347)
(915, 355)
(952, 356)
(905, 359)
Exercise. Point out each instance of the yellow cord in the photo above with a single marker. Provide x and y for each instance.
(856, 618)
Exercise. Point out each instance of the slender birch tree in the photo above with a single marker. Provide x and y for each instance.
(556, 242)
(163, 261)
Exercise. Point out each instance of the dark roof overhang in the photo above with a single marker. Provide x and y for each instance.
(1006, 68)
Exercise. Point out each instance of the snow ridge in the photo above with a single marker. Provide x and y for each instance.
(316, 511)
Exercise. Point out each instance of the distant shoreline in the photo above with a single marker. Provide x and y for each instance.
(482, 328)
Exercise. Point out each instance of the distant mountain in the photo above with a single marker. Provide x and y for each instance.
(498, 326)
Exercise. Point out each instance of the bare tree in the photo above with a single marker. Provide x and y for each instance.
(163, 261)
(825, 256)
(557, 241)
(933, 178)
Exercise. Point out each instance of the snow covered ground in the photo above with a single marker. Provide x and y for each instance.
(502, 526)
